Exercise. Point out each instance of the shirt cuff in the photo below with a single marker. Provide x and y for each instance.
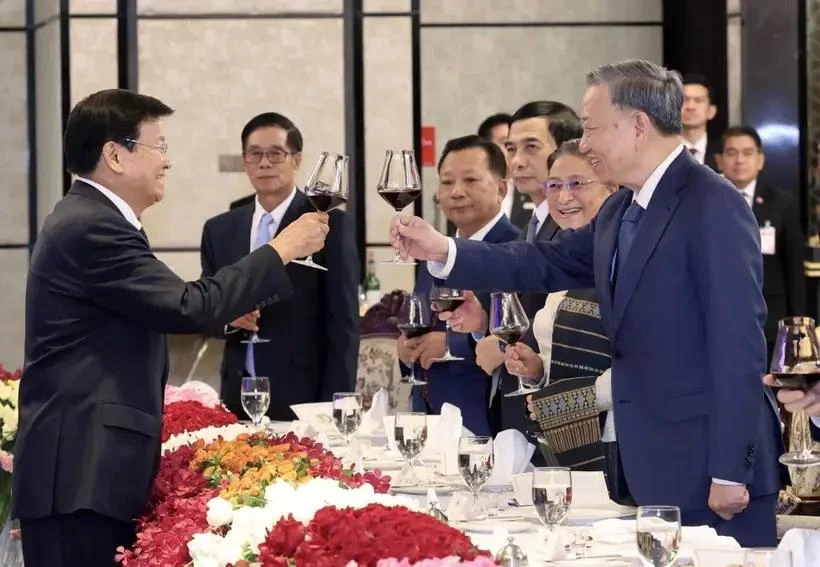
(816, 420)
(442, 270)
(230, 330)
(726, 482)
(603, 390)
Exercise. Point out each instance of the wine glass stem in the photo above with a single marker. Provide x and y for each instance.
(806, 443)
(397, 257)
(447, 342)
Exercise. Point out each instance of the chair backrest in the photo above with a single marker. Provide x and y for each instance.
(379, 368)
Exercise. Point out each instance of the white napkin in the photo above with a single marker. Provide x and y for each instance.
(373, 418)
(804, 546)
(444, 439)
(589, 490)
(617, 531)
(302, 429)
(512, 453)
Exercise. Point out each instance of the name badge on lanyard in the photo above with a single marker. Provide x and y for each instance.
(767, 239)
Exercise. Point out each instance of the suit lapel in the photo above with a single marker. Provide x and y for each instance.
(294, 210)
(761, 205)
(655, 220)
(549, 228)
(241, 244)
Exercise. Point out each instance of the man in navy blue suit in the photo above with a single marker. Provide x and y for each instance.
(471, 189)
(681, 301)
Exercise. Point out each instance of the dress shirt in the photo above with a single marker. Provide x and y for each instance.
(277, 214)
(748, 192)
(699, 147)
(542, 211)
(507, 203)
(118, 201)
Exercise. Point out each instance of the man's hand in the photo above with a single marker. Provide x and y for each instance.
(798, 400)
(488, 355)
(726, 500)
(430, 346)
(469, 318)
(405, 348)
(521, 360)
(247, 322)
(415, 238)
(302, 237)
(531, 408)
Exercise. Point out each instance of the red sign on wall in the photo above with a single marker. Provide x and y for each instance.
(428, 146)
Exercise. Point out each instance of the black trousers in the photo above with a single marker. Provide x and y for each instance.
(70, 540)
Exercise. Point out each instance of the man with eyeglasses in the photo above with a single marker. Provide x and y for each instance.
(313, 337)
(98, 306)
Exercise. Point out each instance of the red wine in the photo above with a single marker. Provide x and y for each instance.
(414, 331)
(508, 335)
(447, 303)
(325, 200)
(796, 381)
(400, 198)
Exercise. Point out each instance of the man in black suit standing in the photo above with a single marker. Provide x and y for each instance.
(698, 109)
(537, 129)
(314, 339)
(781, 238)
(97, 306)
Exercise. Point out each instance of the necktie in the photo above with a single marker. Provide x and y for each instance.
(262, 237)
(626, 234)
(532, 228)
(747, 196)
(693, 151)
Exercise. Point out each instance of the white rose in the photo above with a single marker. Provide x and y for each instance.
(220, 512)
(10, 426)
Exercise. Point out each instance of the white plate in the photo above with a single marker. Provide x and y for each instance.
(489, 526)
(421, 489)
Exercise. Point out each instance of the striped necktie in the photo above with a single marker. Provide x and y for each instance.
(263, 235)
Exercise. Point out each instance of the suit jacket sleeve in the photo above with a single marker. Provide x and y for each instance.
(122, 274)
(342, 308)
(207, 261)
(792, 244)
(564, 263)
(728, 274)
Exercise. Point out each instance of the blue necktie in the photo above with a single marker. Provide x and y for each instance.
(263, 236)
(626, 234)
(532, 228)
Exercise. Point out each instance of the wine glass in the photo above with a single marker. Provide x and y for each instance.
(508, 323)
(410, 433)
(415, 321)
(551, 494)
(475, 464)
(255, 396)
(446, 299)
(796, 365)
(326, 189)
(347, 413)
(254, 338)
(399, 185)
(658, 534)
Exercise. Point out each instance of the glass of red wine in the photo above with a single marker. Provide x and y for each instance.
(508, 323)
(415, 321)
(326, 189)
(796, 365)
(399, 185)
(446, 299)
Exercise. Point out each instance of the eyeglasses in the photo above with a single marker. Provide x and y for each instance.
(163, 147)
(555, 185)
(274, 156)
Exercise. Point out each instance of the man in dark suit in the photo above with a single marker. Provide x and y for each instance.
(97, 306)
(537, 129)
(314, 339)
(698, 109)
(681, 300)
(471, 188)
(782, 242)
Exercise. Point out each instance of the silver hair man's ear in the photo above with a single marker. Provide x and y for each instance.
(642, 85)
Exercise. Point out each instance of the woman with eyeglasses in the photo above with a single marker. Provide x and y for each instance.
(574, 350)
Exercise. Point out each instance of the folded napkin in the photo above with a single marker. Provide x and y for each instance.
(617, 531)
(802, 544)
(443, 440)
(373, 418)
(512, 453)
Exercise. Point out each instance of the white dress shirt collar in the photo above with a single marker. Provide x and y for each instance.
(748, 192)
(507, 203)
(277, 213)
(699, 147)
(542, 211)
(482, 232)
(118, 201)
(645, 194)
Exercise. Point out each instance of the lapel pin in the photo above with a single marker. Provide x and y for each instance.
(759, 200)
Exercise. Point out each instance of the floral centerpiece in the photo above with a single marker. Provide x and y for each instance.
(9, 391)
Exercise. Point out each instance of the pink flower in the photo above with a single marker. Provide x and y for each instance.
(193, 391)
(6, 461)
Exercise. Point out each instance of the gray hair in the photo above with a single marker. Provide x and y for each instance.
(645, 86)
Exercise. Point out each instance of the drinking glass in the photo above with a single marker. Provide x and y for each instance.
(796, 365)
(347, 413)
(326, 189)
(446, 299)
(508, 323)
(255, 397)
(415, 321)
(410, 433)
(475, 464)
(551, 494)
(658, 534)
(254, 338)
(399, 185)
